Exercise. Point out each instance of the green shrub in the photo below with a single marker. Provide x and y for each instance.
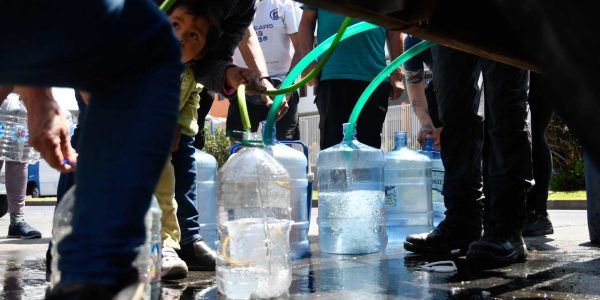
(567, 158)
(217, 145)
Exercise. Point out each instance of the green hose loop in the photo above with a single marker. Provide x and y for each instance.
(303, 64)
(408, 54)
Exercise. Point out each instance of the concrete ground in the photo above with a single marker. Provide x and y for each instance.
(560, 266)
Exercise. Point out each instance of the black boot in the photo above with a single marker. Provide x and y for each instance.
(198, 256)
(446, 237)
(497, 248)
(537, 225)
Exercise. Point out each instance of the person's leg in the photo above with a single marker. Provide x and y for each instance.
(461, 146)
(206, 101)
(508, 171)
(370, 122)
(130, 122)
(194, 251)
(16, 186)
(592, 185)
(172, 267)
(185, 190)
(540, 106)
(165, 195)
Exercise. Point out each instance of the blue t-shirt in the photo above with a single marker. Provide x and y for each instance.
(360, 57)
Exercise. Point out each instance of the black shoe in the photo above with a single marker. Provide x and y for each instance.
(445, 238)
(198, 256)
(23, 230)
(497, 248)
(538, 225)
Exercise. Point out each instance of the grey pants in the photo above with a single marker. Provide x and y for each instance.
(16, 185)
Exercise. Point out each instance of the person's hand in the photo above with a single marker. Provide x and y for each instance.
(425, 131)
(48, 130)
(397, 84)
(283, 108)
(234, 76)
(4, 91)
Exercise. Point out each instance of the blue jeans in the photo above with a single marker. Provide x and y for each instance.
(592, 185)
(185, 189)
(125, 54)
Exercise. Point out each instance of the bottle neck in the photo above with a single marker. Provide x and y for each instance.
(272, 140)
(400, 140)
(349, 131)
(428, 144)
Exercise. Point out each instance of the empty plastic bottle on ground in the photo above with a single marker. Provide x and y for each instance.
(437, 181)
(296, 165)
(351, 197)
(147, 261)
(407, 191)
(253, 215)
(14, 133)
(206, 201)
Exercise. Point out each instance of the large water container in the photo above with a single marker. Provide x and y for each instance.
(253, 220)
(206, 199)
(351, 198)
(408, 206)
(147, 262)
(437, 181)
(14, 133)
(296, 164)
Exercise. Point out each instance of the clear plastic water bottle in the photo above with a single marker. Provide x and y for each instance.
(408, 207)
(14, 132)
(437, 181)
(253, 214)
(351, 198)
(61, 227)
(296, 165)
(147, 261)
(206, 201)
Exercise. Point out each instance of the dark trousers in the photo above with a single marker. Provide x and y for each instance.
(541, 113)
(125, 54)
(507, 158)
(184, 165)
(335, 100)
(287, 127)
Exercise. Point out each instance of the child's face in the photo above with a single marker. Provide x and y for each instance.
(191, 31)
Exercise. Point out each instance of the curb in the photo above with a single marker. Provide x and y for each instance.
(41, 203)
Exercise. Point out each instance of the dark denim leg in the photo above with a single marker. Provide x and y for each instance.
(592, 185)
(541, 113)
(462, 137)
(125, 54)
(508, 157)
(185, 190)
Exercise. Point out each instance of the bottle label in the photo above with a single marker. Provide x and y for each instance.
(2, 130)
(437, 180)
(19, 133)
(155, 261)
(390, 196)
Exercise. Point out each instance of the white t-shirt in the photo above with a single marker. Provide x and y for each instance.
(273, 22)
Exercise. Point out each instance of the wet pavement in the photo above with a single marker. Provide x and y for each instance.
(560, 266)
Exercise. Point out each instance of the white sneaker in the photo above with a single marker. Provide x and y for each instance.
(172, 267)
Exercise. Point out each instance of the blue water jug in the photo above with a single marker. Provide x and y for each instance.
(206, 201)
(296, 163)
(437, 181)
(408, 207)
(351, 197)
